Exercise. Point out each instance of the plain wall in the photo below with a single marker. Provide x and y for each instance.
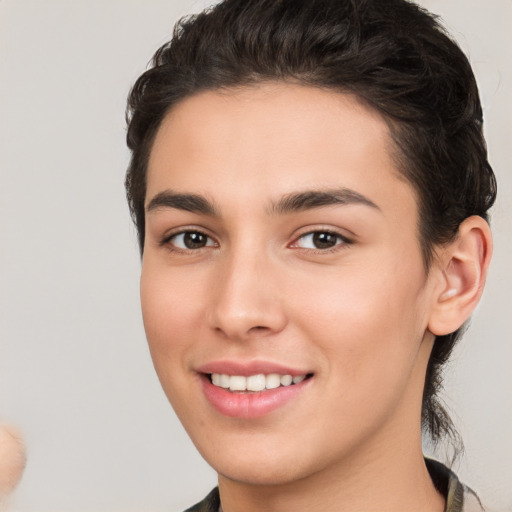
(75, 372)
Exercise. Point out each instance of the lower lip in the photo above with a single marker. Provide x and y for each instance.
(250, 404)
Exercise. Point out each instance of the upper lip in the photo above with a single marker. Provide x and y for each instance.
(249, 368)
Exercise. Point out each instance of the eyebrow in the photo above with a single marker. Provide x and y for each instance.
(310, 199)
(294, 202)
(189, 202)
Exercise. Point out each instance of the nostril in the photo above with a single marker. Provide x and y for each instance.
(258, 328)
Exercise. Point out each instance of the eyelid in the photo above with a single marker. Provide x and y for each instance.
(346, 241)
(165, 240)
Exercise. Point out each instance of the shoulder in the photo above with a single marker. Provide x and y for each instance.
(210, 504)
(459, 497)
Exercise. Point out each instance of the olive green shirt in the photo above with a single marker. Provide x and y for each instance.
(459, 498)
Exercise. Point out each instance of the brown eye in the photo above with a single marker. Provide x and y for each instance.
(324, 240)
(320, 240)
(189, 240)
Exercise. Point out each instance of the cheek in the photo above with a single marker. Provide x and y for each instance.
(368, 335)
(361, 317)
(171, 309)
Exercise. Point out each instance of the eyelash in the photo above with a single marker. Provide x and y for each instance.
(168, 239)
(342, 241)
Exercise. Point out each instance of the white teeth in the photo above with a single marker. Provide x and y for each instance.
(286, 380)
(224, 380)
(273, 381)
(237, 383)
(257, 382)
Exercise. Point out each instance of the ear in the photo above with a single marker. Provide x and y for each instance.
(461, 271)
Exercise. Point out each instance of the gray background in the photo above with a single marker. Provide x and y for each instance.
(75, 373)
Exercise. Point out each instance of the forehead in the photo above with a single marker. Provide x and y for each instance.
(270, 139)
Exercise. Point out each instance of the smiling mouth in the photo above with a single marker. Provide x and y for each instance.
(255, 383)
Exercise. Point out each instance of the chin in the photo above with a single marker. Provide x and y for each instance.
(264, 474)
(264, 466)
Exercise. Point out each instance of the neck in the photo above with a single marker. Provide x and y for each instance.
(397, 481)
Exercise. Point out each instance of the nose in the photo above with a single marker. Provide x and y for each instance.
(246, 302)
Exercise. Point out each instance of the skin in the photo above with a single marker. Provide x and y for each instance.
(359, 316)
(12, 461)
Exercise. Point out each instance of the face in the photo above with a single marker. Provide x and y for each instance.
(283, 290)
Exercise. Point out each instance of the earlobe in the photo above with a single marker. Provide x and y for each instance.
(463, 270)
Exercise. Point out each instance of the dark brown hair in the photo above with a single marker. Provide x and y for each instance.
(392, 54)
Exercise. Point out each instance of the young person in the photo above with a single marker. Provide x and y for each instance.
(310, 185)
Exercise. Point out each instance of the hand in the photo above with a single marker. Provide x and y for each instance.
(12, 460)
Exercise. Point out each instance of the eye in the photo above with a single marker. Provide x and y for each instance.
(320, 240)
(190, 240)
